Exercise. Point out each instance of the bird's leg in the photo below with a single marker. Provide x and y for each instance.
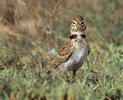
(74, 73)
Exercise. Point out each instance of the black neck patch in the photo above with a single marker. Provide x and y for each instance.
(83, 36)
(73, 36)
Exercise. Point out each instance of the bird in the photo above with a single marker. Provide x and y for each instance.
(76, 49)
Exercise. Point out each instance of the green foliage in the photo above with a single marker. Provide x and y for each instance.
(28, 80)
(23, 67)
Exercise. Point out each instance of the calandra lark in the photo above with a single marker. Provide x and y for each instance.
(76, 49)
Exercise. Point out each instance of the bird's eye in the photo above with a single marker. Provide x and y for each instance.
(81, 23)
(73, 22)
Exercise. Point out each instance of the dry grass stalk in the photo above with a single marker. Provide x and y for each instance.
(55, 11)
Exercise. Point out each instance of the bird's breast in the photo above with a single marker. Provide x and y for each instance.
(75, 61)
(80, 55)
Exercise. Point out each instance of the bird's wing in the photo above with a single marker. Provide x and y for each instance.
(64, 54)
(88, 47)
(89, 50)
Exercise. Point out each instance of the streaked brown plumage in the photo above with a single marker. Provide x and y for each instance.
(76, 49)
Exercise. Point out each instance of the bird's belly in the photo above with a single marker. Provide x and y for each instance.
(75, 61)
(80, 55)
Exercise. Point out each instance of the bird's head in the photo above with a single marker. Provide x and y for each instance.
(78, 24)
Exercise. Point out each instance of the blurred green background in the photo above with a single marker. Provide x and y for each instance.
(31, 33)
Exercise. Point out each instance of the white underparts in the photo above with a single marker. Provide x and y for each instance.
(77, 32)
(75, 61)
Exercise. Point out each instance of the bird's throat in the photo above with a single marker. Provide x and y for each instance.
(77, 32)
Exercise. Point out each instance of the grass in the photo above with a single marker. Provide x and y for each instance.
(27, 35)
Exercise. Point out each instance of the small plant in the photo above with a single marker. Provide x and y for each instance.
(24, 58)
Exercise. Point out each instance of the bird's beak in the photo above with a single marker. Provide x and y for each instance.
(78, 27)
